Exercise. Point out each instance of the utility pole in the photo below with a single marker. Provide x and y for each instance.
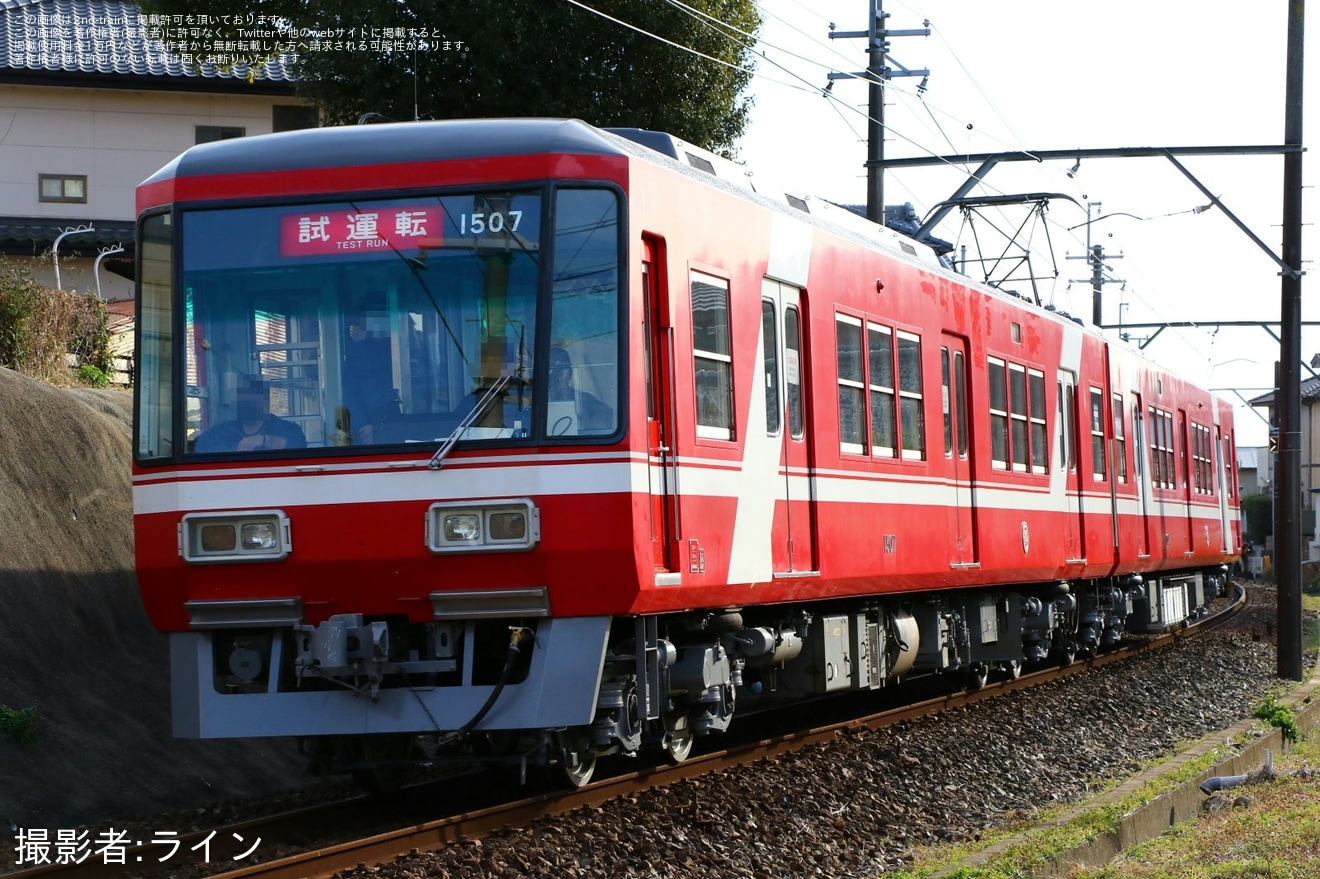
(876, 73)
(1095, 255)
(1288, 490)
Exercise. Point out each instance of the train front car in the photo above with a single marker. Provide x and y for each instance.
(380, 423)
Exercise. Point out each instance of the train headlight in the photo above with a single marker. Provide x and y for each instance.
(460, 527)
(260, 536)
(250, 536)
(483, 526)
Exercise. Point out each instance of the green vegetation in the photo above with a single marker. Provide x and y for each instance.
(1279, 715)
(511, 58)
(1046, 841)
(1275, 834)
(1259, 511)
(40, 327)
(19, 724)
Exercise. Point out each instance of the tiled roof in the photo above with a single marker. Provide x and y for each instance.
(105, 37)
(1310, 391)
(35, 234)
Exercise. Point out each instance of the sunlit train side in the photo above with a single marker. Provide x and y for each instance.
(548, 442)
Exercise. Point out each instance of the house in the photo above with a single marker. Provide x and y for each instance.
(96, 96)
(1310, 453)
(1255, 471)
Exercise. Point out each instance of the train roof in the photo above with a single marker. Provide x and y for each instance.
(347, 146)
(457, 139)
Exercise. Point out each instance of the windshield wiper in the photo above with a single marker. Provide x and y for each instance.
(492, 394)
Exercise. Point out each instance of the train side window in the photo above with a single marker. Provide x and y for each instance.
(155, 415)
(793, 371)
(1040, 450)
(1017, 414)
(770, 367)
(1120, 441)
(1066, 424)
(1202, 459)
(880, 354)
(912, 412)
(1097, 435)
(1161, 448)
(998, 375)
(1070, 425)
(1230, 473)
(712, 356)
(946, 402)
(960, 400)
(852, 400)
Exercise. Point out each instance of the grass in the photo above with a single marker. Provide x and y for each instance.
(1039, 846)
(1276, 834)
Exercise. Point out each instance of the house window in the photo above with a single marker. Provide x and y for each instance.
(63, 188)
(712, 357)
(292, 117)
(209, 133)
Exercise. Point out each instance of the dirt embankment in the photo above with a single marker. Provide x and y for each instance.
(75, 643)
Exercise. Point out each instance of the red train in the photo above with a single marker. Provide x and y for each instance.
(550, 442)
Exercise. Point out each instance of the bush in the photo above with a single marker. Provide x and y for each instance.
(19, 724)
(39, 327)
(1278, 715)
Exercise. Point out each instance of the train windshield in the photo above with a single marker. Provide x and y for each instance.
(384, 322)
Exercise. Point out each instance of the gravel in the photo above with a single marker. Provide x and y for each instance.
(862, 804)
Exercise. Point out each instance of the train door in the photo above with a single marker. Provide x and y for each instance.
(795, 508)
(957, 447)
(1067, 445)
(1185, 462)
(658, 359)
(1221, 449)
(1139, 452)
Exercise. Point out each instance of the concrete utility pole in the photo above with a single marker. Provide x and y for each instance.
(876, 73)
(1288, 485)
(1095, 255)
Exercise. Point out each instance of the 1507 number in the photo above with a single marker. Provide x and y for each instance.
(492, 223)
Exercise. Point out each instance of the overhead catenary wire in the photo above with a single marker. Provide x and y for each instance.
(765, 53)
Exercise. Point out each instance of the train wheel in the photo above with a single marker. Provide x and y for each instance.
(977, 675)
(678, 746)
(577, 757)
(1013, 669)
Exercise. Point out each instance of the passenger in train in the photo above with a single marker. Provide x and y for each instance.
(254, 428)
(587, 414)
(369, 392)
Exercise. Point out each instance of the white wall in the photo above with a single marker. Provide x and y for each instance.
(117, 138)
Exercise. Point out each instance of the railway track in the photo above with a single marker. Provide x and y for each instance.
(308, 828)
